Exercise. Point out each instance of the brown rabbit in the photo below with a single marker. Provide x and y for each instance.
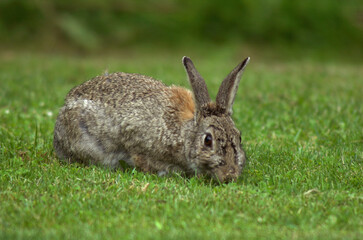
(151, 126)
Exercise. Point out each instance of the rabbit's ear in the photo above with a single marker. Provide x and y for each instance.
(198, 84)
(228, 89)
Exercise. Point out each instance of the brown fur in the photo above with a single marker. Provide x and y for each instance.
(142, 164)
(211, 109)
(182, 99)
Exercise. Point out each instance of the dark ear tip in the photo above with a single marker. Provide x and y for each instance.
(243, 64)
(187, 62)
(185, 59)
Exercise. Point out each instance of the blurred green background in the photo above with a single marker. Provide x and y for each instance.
(93, 26)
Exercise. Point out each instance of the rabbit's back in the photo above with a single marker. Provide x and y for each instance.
(116, 89)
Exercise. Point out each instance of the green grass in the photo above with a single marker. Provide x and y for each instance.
(302, 125)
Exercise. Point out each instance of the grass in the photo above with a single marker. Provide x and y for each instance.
(302, 124)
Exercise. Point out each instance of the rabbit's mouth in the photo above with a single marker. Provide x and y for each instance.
(217, 169)
(226, 178)
(224, 175)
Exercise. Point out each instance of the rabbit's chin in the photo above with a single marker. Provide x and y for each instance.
(224, 177)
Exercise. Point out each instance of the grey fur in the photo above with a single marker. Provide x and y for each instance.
(201, 95)
(228, 90)
(136, 119)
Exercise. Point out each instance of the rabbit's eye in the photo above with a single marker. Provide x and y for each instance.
(208, 140)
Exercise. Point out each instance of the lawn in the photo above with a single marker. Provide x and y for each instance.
(302, 128)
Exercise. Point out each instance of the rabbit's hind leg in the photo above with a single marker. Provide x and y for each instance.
(72, 140)
(76, 138)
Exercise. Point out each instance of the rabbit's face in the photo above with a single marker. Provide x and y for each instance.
(218, 149)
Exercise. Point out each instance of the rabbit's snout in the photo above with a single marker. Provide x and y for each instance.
(228, 175)
(231, 174)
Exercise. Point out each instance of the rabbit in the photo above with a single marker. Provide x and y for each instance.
(153, 127)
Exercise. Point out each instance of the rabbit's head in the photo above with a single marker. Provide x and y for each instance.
(214, 144)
